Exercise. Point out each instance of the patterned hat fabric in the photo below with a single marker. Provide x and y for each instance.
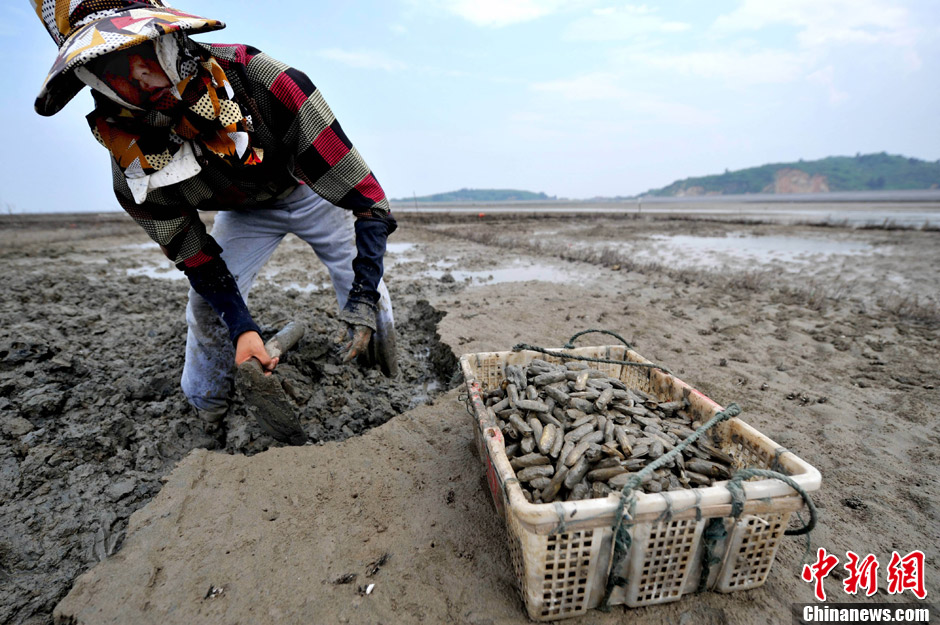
(87, 29)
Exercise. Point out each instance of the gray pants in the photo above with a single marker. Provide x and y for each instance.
(248, 238)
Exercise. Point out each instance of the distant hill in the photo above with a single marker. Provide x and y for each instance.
(479, 195)
(863, 172)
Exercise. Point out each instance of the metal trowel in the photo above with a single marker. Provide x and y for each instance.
(273, 409)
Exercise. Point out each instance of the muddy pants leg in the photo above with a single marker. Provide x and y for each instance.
(248, 238)
(330, 231)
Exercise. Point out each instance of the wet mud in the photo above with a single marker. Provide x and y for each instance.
(834, 359)
(92, 416)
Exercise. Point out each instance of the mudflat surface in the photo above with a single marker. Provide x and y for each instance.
(111, 493)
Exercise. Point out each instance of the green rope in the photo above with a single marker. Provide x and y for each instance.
(533, 348)
(666, 515)
(809, 542)
(570, 343)
(715, 531)
(465, 398)
(736, 488)
(562, 526)
(621, 530)
(775, 465)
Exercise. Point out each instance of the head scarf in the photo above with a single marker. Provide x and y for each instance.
(85, 30)
(197, 116)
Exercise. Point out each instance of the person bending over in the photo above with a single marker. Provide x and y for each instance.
(223, 127)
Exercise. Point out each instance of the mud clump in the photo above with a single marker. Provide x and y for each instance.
(92, 416)
(335, 401)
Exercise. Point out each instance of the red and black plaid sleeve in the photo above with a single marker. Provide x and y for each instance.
(294, 110)
(180, 233)
(290, 116)
(325, 158)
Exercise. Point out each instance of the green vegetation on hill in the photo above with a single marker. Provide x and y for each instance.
(479, 195)
(863, 172)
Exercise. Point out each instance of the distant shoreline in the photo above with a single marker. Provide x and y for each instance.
(925, 196)
(914, 195)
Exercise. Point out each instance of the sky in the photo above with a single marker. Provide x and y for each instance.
(573, 98)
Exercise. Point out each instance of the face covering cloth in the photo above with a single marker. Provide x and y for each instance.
(158, 145)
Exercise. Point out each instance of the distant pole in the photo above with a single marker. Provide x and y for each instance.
(415, 196)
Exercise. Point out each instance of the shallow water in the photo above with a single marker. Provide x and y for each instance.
(399, 248)
(680, 250)
(160, 272)
(518, 271)
(148, 245)
(309, 287)
(912, 209)
(713, 252)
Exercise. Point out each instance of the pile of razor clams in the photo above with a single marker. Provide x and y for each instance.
(573, 432)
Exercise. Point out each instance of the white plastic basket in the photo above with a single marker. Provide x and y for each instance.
(562, 551)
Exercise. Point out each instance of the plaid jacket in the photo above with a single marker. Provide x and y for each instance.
(302, 142)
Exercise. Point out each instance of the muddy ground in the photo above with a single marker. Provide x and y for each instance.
(833, 356)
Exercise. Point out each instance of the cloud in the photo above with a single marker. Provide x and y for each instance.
(604, 86)
(826, 22)
(362, 59)
(499, 13)
(822, 27)
(627, 22)
(826, 78)
(733, 66)
(594, 86)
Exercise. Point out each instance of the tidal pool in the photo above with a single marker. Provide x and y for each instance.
(517, 271)
(714, 252)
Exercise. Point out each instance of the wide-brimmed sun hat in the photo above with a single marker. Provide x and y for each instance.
(87, 29)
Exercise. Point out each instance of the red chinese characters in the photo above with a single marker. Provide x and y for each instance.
(907, 573)
(862, 573)
(818, 571)
(903, 573)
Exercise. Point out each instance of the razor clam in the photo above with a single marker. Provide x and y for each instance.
(527, 444)
(603, 399)
(528, 460)
(602, 475)
(581, 490)
(583, 445)
(547, 439)
(548, 419)
(561, 397)
(521, 426)
(548, 378)
(580, 379)
(577, 472)
(573, 432)
(530, 473)
(558, 444)
(536, 426)
(549, 492)
(516, 376)
(580, 432)
(539, 483)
